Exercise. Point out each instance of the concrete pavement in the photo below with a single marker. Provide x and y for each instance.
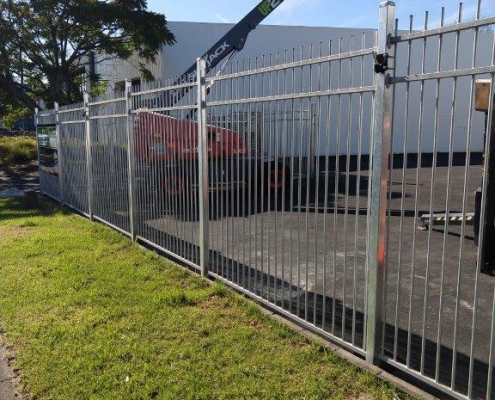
(7, 386)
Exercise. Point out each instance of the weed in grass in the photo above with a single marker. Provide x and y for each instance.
(174, 298)
(220, 290)
(27, 224)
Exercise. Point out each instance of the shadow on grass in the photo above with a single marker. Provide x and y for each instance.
(11, 208)
(332, 315)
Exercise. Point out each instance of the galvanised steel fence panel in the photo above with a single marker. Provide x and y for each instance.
(72, 138)
(165, 142)
(289, 198)
(47, 158)
(333, 183)
(439, 305)
(109, 152)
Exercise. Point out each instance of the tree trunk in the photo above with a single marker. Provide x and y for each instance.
(16, 91)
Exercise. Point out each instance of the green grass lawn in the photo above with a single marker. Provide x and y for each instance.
(91, 315)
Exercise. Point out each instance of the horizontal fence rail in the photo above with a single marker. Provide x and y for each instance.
(345, 185)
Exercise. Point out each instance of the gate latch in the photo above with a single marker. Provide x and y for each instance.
(381, 63)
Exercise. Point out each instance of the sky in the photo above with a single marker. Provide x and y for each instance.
(349, 13)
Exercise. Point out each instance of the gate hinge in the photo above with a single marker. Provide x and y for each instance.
(381, 63)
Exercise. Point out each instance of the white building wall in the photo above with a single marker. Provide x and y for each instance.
(195, 38)
(115, 70)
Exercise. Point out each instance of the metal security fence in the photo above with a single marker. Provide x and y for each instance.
(108, 137)
(47, 153)
(73, 165)
(165, 161)
(336, 184)
(288, 232)
(439, 307)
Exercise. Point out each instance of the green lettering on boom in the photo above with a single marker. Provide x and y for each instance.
(265, 8)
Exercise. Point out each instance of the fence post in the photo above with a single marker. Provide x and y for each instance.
(130, 159)
(36, 116)
(36, 123)
(485, 255)
(60, 158)
(89, 158)
(202, 168)
(382, 123)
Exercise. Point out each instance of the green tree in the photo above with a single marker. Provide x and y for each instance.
(11, 110)
(15, 112)
(46, 44)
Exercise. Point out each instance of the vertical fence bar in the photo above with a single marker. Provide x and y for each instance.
(202, 169)
(382, 121)
(89, 158)
(312, 134)
(60, 157)
(36, 123)
(131, 176)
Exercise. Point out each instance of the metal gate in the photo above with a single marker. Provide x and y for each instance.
(333, 183)
(439, 306)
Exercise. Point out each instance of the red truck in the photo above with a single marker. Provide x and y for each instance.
(167, 148)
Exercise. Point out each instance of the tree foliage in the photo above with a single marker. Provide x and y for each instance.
(13, 113)
(46, 44)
